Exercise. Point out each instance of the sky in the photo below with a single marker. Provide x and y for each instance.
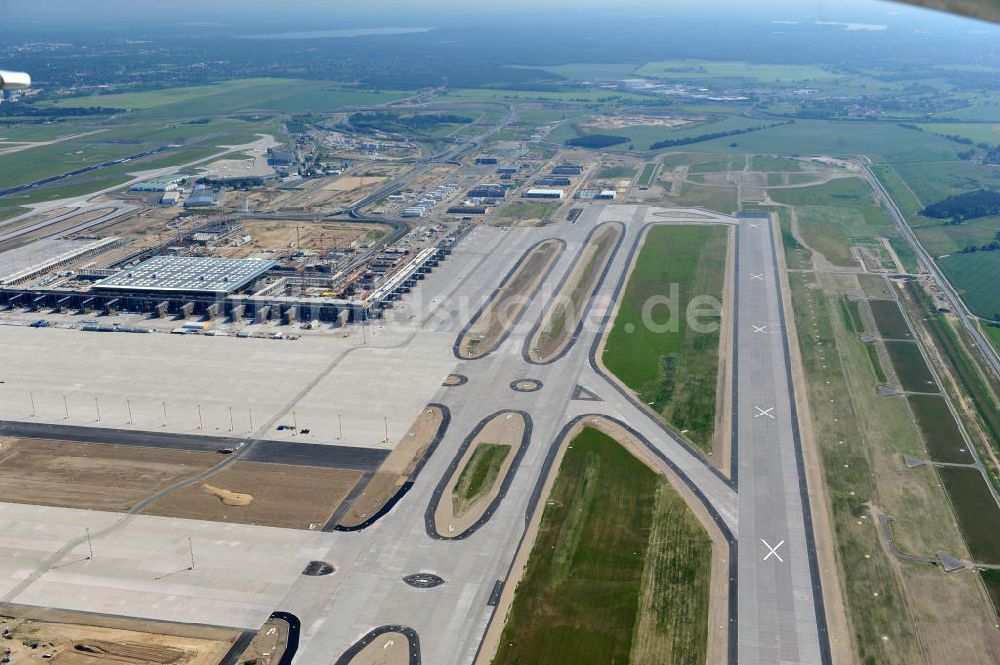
(104, 10)
(63, 19)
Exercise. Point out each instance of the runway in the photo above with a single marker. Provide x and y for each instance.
(781, 617)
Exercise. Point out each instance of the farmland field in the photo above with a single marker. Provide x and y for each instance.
(977, 132)
(619, 571)
(675, 368)
(976, 510)
(974, 276)
(944, 440)
(880, 141)
(889, 320)
(912, 370)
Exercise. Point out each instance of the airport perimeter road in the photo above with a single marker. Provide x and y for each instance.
(781, 617)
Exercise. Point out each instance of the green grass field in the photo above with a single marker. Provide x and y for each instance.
(479, 475)
(581, 96)
(939, 237)
(837, 215)
(774, 164)
(200, 140)
(263, 94)
(974, 277)
(541, 115)
(883, 142)
(541, 210)
(700, 69)
(845, 439)
(992, 333)
(723, 163)
(677, 369)
(616, 172)
(719, 199)
(978, 132)
(29, 133)
(642, 137)
(934, 180)
(619, 572)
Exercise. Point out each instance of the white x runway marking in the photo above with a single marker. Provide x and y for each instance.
(754, 226)
(759, 329)
(764, 412)
(772, 551)
(754, 275)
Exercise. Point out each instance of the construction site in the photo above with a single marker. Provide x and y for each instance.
(238, 267)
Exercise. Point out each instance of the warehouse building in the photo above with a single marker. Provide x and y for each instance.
(544, 194)
(567, 169)
(596, 194)
(468, 210)
(162, 184)
(171, 198)
(204, 197)
(553, 182)
(488, 191)
(487, 159)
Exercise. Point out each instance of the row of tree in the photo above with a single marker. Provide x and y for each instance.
(596, 141)
(673, 143)
(399, 124)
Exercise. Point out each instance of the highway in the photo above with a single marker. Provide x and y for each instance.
(954, 300)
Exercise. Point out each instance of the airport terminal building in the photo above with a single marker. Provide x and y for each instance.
(238, 289)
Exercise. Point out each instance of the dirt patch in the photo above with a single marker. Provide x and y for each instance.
(397, 468)
(348, 183)
(526, 385)
(80, 644)
(280, 235)
(624, 121)
(455, 380)
(491, 324)
(227, 497)
(295, 497)
(505, 429)
(268, 645)
(91, 475)
(386, 649)
(566, 310)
